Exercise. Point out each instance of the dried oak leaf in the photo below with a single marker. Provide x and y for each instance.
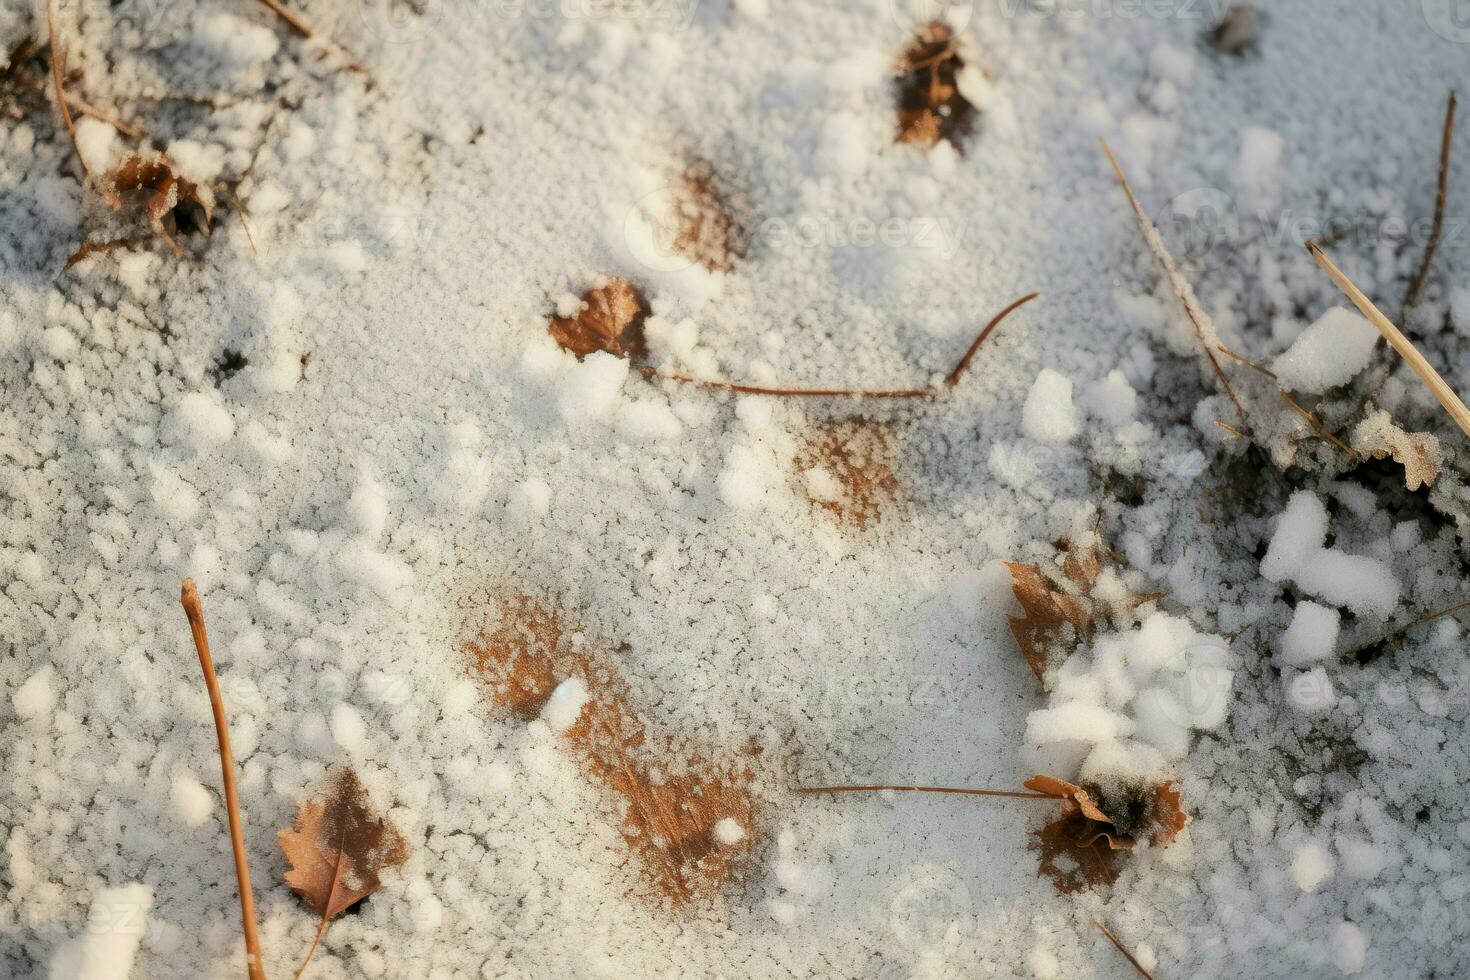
(1059, 610)
(930, 106)
(339, 849)
(1051, 616)
(1081, 847)
(611, 320)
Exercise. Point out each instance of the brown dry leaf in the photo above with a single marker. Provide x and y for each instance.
(1419, 453)
(1059, 606)
(1166, 812)
(671, 802)
(930, 106)
(848, 470)
(1053, 618)
(338, 850)
(170, 203)
(611, 320)
(1081, 847)
(1078, 848)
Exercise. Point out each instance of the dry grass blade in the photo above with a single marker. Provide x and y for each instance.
(788, 392)
(194, 610)
(297, 24)
(1183, 291)
(1124, 950)
(1230, 429)
(1013, 794)
(1402, 344)
(1450, 610)
(1411, 299)
(244, 223)
(1246, 361)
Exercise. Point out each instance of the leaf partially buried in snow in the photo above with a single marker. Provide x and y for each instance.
(1061, 605)
(1082, 846)
(171, 204)
(1053, 614)
(611, 320)
(338, 850)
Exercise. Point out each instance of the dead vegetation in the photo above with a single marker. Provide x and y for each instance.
(1061, 603)
(670, 806)
(338, 850)
(611, 320)
(339, 846)
(930, 105)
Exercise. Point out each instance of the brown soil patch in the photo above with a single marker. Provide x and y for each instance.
(668, 820)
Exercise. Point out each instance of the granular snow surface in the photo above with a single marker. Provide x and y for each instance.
(345, 419)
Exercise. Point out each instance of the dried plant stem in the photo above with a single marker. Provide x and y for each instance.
(1124, 950)
(1014, 794)
(1436, 615)
(1230, 429)
(244, 223)
(1319, 429)
(1411, 299)
(964, 364)
(1246, 361)
(195, 611)
(950, 380)
(1203, 329)
(1402, 344)
(297, 24)
(321, 927)
(61, 104)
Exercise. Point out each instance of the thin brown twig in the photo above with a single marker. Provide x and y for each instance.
(1319, 429)
(61, 104)
(964, 364)
(1014, 794)
(1246, 361)
(1181, 288)
(1230, 429)
(1436, 385)
(1124, 950)
(788, 392)
(240, 211)
(194, 610)
(950, 380)
(297, 24)
(87, 109)
(1436, 615)
(1411, 299)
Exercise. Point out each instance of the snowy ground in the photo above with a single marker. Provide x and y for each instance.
(350, 425)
